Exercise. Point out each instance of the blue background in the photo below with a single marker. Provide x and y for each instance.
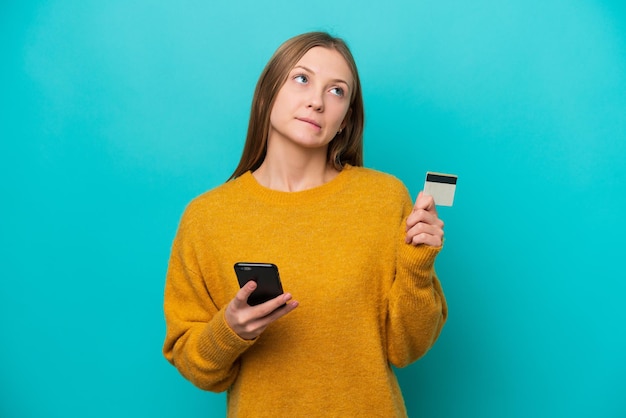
(114, 114)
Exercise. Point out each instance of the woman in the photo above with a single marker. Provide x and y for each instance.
(349, 243)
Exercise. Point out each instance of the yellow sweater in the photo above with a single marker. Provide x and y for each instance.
(367, 299)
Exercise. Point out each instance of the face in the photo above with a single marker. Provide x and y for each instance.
(313, 103)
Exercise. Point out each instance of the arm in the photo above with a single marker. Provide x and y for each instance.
(417, 307)
(204, 341)
(199, 342)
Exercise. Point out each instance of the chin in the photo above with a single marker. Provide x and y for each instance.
(313, 142)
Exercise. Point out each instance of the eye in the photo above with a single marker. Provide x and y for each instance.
(301, 78)
(337, 91)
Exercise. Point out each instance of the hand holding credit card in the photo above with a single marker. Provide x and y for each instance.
(423, 225)
(441, 187)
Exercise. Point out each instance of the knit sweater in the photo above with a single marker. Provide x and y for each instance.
(367, 300)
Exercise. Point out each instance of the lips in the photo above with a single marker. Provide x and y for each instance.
(310, 121)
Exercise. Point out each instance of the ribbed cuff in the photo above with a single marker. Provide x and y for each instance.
(418, 260)
(220, 343)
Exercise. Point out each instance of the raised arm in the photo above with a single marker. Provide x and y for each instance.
(417, 307)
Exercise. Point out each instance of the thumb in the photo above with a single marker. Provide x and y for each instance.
(424, 201)
(245, 291)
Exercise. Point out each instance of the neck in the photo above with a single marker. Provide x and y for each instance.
(295, 172)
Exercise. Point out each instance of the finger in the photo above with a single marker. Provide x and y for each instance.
(421, 215)
(282, 310)
(266, 308)
(241, 298)
(256, 326)
(425, 201)
(430, 240)
(426, 239)
(423, 210)
(423, 229)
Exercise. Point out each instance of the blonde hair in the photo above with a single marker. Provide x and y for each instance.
(345, 148)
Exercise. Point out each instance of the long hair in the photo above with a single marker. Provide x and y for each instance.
(345, 148)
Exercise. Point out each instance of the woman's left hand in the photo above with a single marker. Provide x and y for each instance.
(423, 226)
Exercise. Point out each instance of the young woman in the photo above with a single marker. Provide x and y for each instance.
(351, 248)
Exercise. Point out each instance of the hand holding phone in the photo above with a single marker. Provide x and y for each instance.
(247, 320)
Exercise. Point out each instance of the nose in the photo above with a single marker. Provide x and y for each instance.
(316, 101)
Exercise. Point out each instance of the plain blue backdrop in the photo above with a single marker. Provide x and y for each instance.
(114, 114)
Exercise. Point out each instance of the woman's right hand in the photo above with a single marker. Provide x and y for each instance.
(250, 321)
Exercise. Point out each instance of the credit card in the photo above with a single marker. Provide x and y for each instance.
(441, 187)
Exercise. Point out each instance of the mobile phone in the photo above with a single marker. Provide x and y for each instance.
(266, 277)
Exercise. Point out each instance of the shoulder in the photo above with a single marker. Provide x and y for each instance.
(224, 191)
(212, 203)
(382, 192)
(377, 180)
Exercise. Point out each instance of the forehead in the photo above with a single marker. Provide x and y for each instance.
(326, 62)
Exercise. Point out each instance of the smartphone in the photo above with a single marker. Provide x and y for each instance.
(266, 277)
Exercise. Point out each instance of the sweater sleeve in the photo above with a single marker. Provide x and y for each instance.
(417, 307)
(198, 342)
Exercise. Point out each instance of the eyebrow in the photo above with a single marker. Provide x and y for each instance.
(336, 80)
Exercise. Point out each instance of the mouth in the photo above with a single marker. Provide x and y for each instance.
(311, 122)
